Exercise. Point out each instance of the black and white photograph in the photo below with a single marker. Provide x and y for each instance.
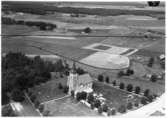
(83, 59)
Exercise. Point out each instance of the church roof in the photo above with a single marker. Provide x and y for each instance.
(85, 78)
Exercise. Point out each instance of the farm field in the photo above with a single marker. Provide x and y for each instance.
(107, 39)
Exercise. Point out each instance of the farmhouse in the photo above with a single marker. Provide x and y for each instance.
(79, 83)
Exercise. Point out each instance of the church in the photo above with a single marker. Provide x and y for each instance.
(79, 83)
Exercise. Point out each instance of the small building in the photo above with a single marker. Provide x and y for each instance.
(79, 83)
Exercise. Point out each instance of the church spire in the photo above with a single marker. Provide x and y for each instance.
(73, 70)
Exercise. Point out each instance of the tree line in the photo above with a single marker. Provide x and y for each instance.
(40, 24)
(42, 9)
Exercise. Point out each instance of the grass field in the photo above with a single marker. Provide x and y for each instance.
(69, 107)
(115, 98)
(49, 90)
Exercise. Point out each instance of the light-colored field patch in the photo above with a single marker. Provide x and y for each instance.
(55, 37)
(106, 60)
(110, 49)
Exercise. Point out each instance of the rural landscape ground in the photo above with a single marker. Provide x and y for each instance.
(102, 38)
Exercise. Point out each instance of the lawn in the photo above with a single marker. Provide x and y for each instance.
(49, 90)
(69, 107)
(114, 97)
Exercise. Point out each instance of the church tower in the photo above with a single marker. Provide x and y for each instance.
(72, 79)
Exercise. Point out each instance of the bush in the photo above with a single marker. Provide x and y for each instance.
(129, 87)
(100, 78)
(114, 83)
(107, 79)
(121, 86)
(122, 109)
(129, 105)
(41, 108)
(137, 90)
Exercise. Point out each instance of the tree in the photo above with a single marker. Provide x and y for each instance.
(146, 92)
(80, 71)
(60, 86)
(100, 78)
(90, 98)
(122, 109)
(17, 95)
(105, 108)
(97, 103)
(143, 101)
(114, 83)
(87, 30)
(78, 96)
(129, 87)
(113, 112)
(81, 96)
(129, 72)
(151, 61)
(136, 104)
(121, 86)
(153, 78)
(100, 110)
(120, 73)
(137, 90)
(150, 98)
(72, 93)
(107, 79)
(65, 90)
(129, 105)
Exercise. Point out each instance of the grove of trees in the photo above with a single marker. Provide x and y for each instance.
(20, 73)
